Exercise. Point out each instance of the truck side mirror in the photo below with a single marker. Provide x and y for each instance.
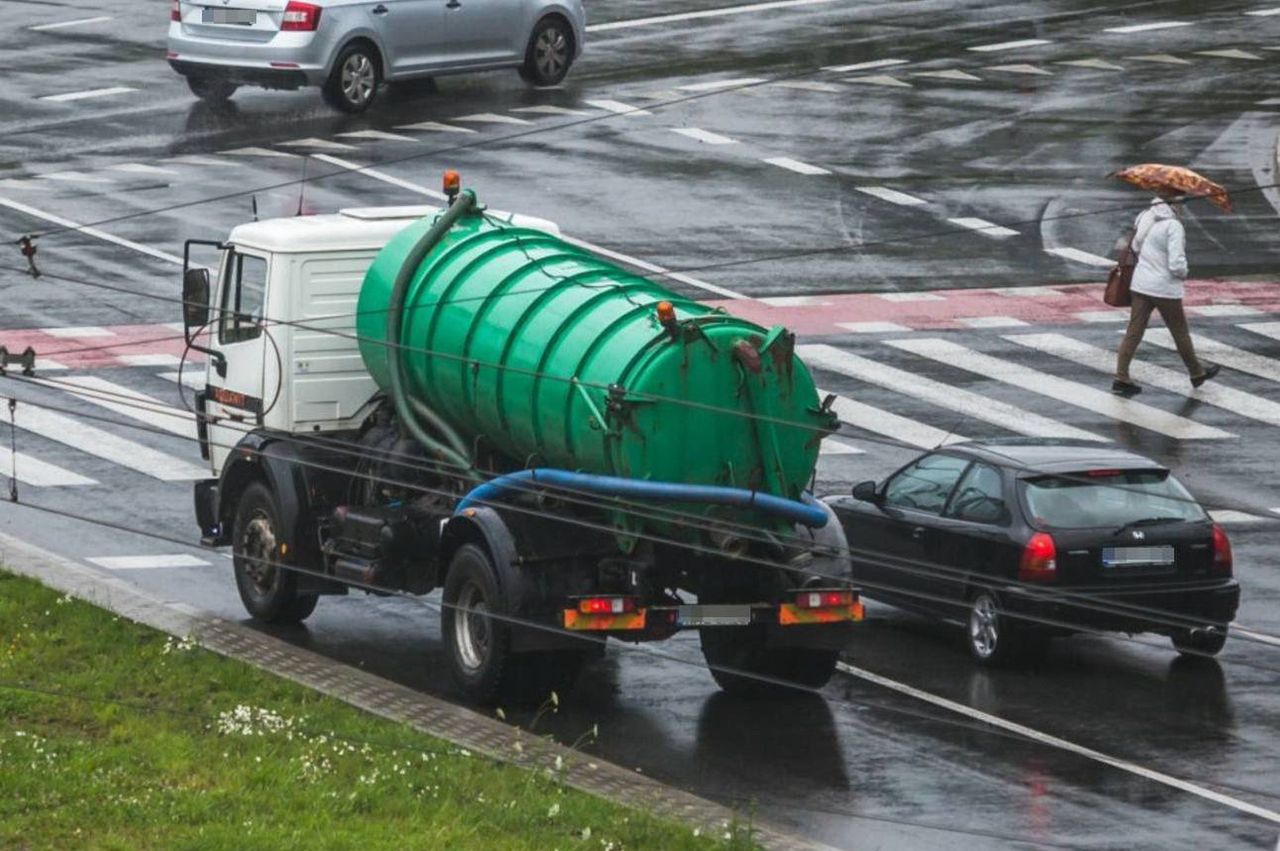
(195, 298)
(866, 492)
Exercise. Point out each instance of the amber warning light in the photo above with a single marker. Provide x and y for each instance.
(452, 184)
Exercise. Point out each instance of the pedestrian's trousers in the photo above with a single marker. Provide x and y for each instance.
(1175, 319)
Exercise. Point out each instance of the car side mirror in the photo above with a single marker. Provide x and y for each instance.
(866, 492)
(195, 298)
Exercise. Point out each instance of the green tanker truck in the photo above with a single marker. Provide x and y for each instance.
(399, 400)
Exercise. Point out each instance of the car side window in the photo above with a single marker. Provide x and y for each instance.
(244, 290)
(979, 497)
(926, 484)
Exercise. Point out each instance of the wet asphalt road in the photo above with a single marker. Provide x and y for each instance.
(861, 766)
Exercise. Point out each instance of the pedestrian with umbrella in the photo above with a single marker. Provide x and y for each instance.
(1159, 242)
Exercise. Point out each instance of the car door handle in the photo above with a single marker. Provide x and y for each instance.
(917, 533)
(453, 4)
(380, 9)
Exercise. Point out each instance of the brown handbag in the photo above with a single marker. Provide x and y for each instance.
(1117, 293)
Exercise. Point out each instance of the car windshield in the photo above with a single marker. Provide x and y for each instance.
(1107, 498)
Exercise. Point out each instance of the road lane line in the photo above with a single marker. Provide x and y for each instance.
(376, 135)
(898, 428)
(492, 118)
(1256, 636)
(78, 22)
(618, 107)
(1224, 310)
(723, 11)
(795, 165)
(434, 127)
(1266, 329)
(141, 168)
(90, 231)
(1068, 253)
(1071, 392)
(831, 446)
(252, 151)
(74, 177)
(880, 80)
(864, 66)
(893, 196)
(1175, 381)
(1230, 53)
(1142, 28)
(356, 168)
(1010, 45)
(984, 227)
(1121, 315)
(873, 327)
(41, 474)
(1229, 356)
(713, 85)
(991, 321)
(1162, 58)
(808, 86)
(1264, 13)
(87, 94)
(1095, 63)
(91, 440)
(910, 296)
(126, 401)
(1062, 744)
(147, 562)
(1020, 68)
(157, 359)
(972, 405)
(550, 109)
(949, 74)
(318, 144)
(191, 378)
(78, 331)
(706, 136)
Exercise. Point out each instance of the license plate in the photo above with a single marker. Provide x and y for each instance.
(243, 17)
(1133, 556)
(718, 615)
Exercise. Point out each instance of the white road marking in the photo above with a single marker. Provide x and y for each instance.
(1260, 637)
(78, 331)
(1062, 744)
(492, 118)
(793, 300)
(1020, 68)
(91, 231)
(74, 177)
(831, 446)
(1039, 291)
(1162, 58)
(1067, 253)
(1071, 392)
(550, 109)
(872, 327)
(1119, 315)
(148, 562)
(911, 296)
(257, 152)
(1230, 54)
(880, 80)
(971, 405)
(1099, 64)
(434, 127)
(126, 401)
(195, 159)
(991, 321)
(54, 426)
(714, 85)
(1264, 13)
(864, 66)
(41, 474)
(1266, 329)
(317, 144)
(893, 196)
(1230, 517)
(984, 227)
(898, 428)
(795, 165)
(87, 94)
(377, 135)
(1010, 45)
(1142, 28)
(21, 185)
(723, 11)
(193, 378)
(141, 168)
(158, 359)
(1175, 381)
(704, 136)
(1224, 310)
(618, 107)
(1269, 102)
(808, 86)
(78, 22)
(381, 175)
(949, 74)
(1221, 353)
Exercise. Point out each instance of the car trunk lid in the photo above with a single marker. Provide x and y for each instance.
(235, 20)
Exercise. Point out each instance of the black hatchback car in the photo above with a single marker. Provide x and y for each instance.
(1024, 539)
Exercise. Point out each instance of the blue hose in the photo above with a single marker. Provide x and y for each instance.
(807, 513)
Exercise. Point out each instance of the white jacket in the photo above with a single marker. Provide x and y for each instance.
(1161, 244)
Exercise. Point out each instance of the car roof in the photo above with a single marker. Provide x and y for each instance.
(1046, 455)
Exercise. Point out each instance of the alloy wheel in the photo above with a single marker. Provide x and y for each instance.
(984, 626)
(358, 79)
(550, 52)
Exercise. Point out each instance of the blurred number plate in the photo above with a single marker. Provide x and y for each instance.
(1125, 556)
(245, 17)
(714, 615)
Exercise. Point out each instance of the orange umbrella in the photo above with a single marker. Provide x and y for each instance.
(1174, 180)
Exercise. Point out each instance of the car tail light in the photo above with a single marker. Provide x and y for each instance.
(606, 605)
(300, 17)
(1039, 559)
(1222, 562)
(824, 599)
(175, 11)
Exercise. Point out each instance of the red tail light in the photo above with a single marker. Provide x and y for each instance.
(606, 605)
(300, 17)
(824, 599)
(1039, 559)
(1222, 562)
(175, 11)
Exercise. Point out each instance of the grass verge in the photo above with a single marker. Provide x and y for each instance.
(117, 736)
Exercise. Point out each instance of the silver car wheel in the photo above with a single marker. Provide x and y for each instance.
(471, 627)
(550, 52)
(358, 79)
(984, 626)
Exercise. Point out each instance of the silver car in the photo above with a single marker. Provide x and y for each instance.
(349, 48)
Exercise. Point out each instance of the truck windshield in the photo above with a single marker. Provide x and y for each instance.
(1107, 498)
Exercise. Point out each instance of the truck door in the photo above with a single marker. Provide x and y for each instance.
(234, 401)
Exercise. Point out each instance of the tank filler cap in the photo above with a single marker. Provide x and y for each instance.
(452, 185)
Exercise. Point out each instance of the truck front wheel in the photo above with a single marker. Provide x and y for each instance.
(741, 664)
(268, 590)
(477, 646)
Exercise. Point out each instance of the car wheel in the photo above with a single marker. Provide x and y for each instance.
(211, 89)
(992, 637)
(741, 664)
(550, 53)
(1199, 642)
(268, 590)
(355, 79)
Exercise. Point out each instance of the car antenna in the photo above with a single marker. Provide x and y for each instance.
(302, 186)
(253, 199)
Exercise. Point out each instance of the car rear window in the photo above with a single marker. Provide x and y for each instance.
(1107, 498)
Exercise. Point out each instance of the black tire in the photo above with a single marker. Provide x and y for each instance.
(742, 665)
(1200, 644)
(211, 89)
(268, 590)
(549, 54)
(994, 639)
(356, 79)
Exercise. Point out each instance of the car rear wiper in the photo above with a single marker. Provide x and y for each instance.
(1147, 521)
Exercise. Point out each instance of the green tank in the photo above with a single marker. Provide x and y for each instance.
(561, 359)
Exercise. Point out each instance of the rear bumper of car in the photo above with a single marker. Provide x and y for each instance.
(288, 60)
(1161, 609)
(268, 78)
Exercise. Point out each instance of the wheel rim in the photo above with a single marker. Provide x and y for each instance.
(471, 627)
(984, 626)
(258, 547)
(358, 79)
(550, 52)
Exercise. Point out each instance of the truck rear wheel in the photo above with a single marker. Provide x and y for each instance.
(268, 590)
(741, 664)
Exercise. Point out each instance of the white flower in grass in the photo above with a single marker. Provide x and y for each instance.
(554, 811)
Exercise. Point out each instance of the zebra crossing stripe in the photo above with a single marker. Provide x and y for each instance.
(123, 400)
(1218, 395)
(898, 428)
(1266, 329)
(937, 393)
(1229, 356)
(1070, 392)
(191, 378)
(33, 471)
